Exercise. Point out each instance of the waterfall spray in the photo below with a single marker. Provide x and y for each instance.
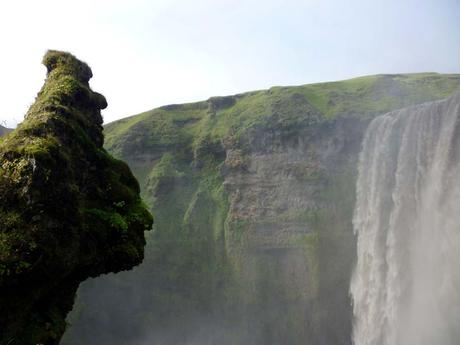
(406, 285)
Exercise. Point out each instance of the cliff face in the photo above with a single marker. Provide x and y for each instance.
(68, 210)
(253, 196)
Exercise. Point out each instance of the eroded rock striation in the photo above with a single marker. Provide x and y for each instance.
(68, 210)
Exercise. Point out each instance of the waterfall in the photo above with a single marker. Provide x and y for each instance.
(406, 284)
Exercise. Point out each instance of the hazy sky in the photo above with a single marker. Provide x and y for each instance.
(150, 53)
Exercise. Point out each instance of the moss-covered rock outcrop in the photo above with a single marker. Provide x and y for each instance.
(68, 210)
(253, 196)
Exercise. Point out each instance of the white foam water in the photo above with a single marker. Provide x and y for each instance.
(406, 284)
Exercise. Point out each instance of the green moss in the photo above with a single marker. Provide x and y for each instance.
(165, 168)
(113, 219)
(68, 209)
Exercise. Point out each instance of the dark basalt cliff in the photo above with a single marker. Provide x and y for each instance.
(68, 210)
(253, 196)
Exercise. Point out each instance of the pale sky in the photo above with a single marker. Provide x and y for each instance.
(145, 54)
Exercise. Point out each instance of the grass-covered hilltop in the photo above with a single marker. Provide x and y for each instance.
(253, 197)
(68, 210)
(280, 108)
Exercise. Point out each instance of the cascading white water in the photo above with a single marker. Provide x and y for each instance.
(406, 285)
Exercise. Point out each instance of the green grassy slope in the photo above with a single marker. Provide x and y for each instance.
(233, 116)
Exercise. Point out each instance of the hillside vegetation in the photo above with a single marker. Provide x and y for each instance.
(278, 108)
